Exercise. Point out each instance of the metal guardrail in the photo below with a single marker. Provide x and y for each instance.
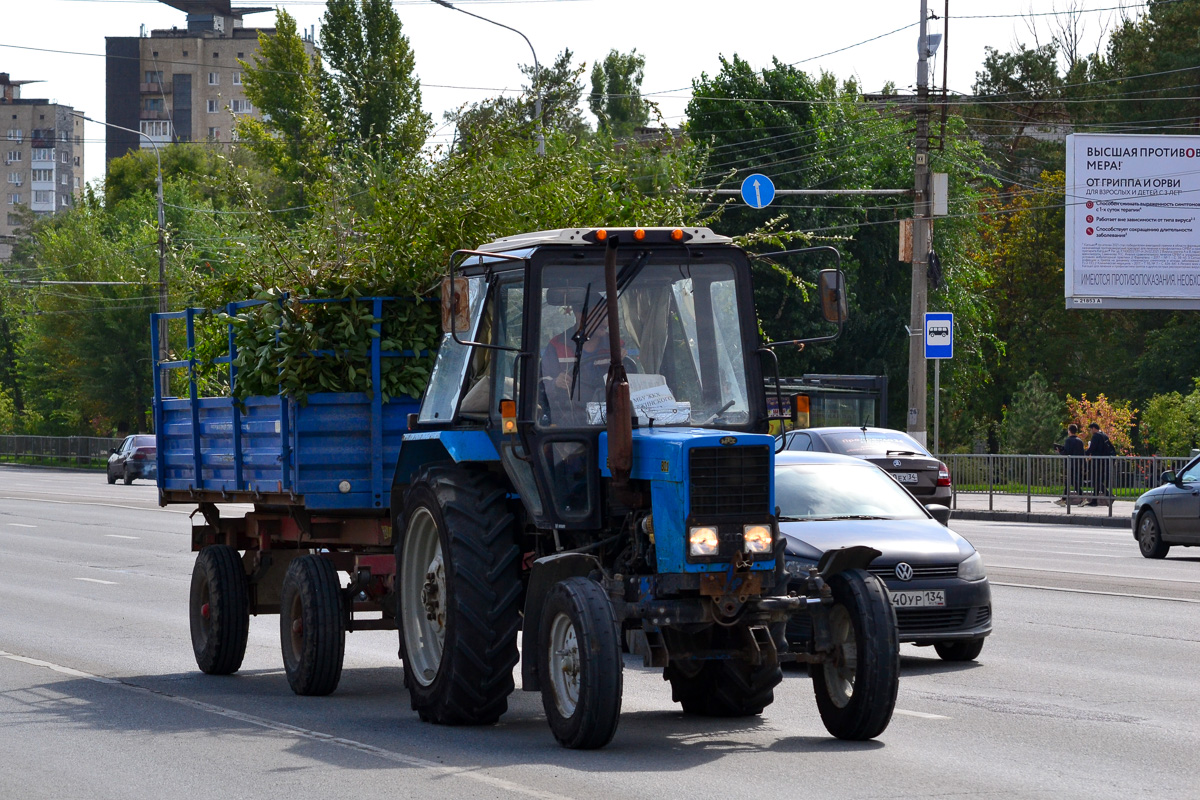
(1068, 477)
(82, 451)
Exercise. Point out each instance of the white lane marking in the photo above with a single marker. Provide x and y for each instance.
(119, 536)
(1058, 552)
(469, 773)
(917, 714)
(79, 503)
(96, 580)
(1077, 573)
(21, 525)
(1096, 591)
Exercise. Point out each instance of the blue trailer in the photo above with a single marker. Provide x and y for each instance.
(590, 466)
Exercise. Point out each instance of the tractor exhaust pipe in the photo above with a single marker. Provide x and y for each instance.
(618, 407)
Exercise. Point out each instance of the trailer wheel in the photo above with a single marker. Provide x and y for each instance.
(579, 659)
(856, 688)
(722, 688)
(311, 627)
(458, 573)
(219, 610)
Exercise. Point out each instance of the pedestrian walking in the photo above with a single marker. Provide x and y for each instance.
(1101, 450)
(1073, 449)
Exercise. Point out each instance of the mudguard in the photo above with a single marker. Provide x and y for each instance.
(546, 572)
(858, 557)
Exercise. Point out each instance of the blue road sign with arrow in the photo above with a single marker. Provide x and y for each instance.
(758, 191)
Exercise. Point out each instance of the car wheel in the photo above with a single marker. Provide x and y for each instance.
(968, 650)
(1150, 540)
(109, 474)
(128, 475)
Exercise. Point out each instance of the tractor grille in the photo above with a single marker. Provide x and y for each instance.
(730, 480)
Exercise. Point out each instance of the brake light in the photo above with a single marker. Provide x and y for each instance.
(943, 475)
(142, 453)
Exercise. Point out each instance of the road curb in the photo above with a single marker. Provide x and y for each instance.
(1043, 519)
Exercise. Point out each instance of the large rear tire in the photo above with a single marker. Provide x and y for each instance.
(219, 610)
(856, 689)
(1150, 540)
(458, 573)
(579, 661)
(311, 626)
(724, 688)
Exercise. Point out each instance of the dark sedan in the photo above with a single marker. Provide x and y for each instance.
(1169, 514)
(894, 451)
(137, 457)
(934, 577)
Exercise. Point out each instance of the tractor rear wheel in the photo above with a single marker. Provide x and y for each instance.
(724, 688)
(219, 610)
(458, 588)
(311, 626)
(856, 688)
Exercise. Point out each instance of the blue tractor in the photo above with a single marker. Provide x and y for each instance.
(591, 469)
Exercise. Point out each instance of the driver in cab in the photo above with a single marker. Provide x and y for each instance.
(575, 364)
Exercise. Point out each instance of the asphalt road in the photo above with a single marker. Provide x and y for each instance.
(1087, 688)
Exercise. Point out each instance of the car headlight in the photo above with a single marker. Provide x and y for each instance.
(972, 568)
(796, 568)
(757, 538)
(703, 541)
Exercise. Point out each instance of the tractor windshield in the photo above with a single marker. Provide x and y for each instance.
(681, 338)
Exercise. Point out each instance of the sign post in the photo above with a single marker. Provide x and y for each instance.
(939, 344)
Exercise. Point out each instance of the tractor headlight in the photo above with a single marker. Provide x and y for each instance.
(972, 569)
(757, 538)
(703, 541)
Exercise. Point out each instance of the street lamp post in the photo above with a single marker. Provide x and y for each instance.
(537, 70)
(162, 245)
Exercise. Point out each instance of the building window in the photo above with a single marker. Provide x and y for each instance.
(64, 200)
(154, 104)
(241, 55)
(237, 79)
(212, 106)
(154, 75)
(185, 53)
(43, 175)
(43, 197)
(214, 134)
(15, 178)
(216, 55)
(65, 181)
(77, 183)
(156, 127)
(13, 156)
(42, 154)
(14, 199)
(64, 157)
(16, 135)
(241, 107)
(77, 161)
(14, 219)
(214, 79)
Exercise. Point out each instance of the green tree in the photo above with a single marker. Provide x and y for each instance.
(616, 97)
(1034, 420)
(371, 93)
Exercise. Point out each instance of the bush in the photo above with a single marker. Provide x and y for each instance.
(1033, 422)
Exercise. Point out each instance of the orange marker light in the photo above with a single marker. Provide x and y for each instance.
(508, 416)
(601, 235)
(639, 234)
(677, 235)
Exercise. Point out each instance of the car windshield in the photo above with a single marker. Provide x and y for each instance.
(841, 491)
(872, 443)
(681, 336)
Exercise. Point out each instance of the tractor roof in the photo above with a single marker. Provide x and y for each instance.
(587, 237)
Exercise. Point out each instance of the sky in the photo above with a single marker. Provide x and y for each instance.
(461, 59)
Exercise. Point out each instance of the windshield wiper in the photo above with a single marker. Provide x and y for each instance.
(580, 337)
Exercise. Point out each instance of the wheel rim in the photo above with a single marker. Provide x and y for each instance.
(564, 665)
(423, 597)
(203, 620)
(297, 637)
(842, 667)
(1149, 533)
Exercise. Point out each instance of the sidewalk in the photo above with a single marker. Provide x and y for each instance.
(1041, 509)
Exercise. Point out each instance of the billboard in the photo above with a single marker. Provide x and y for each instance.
(1132, 221)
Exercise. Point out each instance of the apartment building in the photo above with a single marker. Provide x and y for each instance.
(42, 146)
(182, 84)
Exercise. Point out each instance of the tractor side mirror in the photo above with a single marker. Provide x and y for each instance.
(831, 283)
(456, 311)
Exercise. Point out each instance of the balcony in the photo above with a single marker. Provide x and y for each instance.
(156, 88)
(152, 114)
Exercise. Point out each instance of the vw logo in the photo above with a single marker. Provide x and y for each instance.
(895, 462)
(904, 571)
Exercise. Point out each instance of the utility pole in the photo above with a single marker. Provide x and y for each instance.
(917, 395)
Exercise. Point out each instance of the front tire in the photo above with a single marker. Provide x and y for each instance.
(458, 572)
(856, 688)
(579, 661)
(109, 474)
(967, 650)
(1150, 540)
(311, 626)
(220, 610)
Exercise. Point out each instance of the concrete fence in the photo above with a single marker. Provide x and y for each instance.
(73, 451)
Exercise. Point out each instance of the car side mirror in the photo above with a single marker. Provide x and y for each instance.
(831, 284)
(940, 512)
(112, 451)
(1169, 477)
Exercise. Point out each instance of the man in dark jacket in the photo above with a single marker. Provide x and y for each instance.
(1100, 448)
(1073, 448)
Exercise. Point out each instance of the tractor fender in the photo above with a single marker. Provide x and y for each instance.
(545, 574)
(427, 447)
(834, 561)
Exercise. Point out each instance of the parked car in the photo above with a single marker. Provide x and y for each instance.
(1169, 514)
(135, 458)
(935, 578)
(895, 451)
